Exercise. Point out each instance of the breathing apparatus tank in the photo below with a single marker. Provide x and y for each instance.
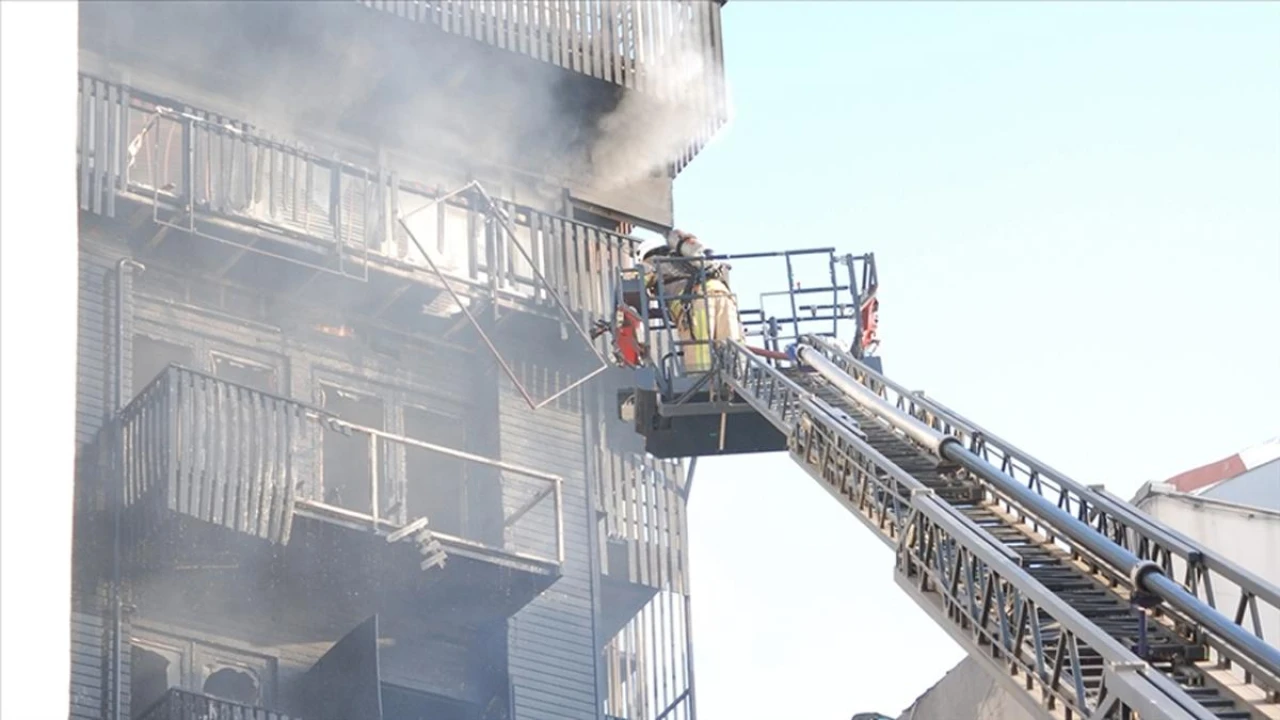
(686, 244)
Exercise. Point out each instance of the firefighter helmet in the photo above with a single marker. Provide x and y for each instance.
(648, 248)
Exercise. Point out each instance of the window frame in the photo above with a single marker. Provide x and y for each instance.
(197, 652)
(217, 353)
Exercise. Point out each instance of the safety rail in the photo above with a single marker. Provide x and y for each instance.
(179, 704)
(214, 177)
(221, 452)
(1027, 637)
(546, 488)
(843, 282)
(1201, 569)
(249, 461)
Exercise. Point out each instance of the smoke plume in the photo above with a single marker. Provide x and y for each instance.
(649, 129)
(328, 70)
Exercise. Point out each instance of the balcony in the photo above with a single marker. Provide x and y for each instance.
(245, 209)
(224, 479)
(179, 704)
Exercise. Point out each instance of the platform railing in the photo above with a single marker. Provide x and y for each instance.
(822, 296)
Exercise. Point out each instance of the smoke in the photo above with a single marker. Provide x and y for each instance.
(649, 129)
(328, 70)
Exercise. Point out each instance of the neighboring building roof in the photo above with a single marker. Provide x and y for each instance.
(1226, 468)
(1150, 491)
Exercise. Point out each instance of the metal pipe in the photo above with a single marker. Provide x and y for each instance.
(1144, 574)
(117, 609)
(772, 254)
(459, 454)
(791, 287)
(835, 293)
(1116, 507)
(857, 301)
(922, 434)
(559, 492)
(688, 655)
(373, 480)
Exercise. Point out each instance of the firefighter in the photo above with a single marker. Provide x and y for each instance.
(696, 293)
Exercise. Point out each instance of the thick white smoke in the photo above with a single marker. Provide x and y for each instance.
(650, 128)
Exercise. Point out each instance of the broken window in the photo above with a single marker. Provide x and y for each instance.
(151, 674)
(244, 372)
(436, 483)
(234, 684)
(160, 661)
(347, 462)
(151, 357)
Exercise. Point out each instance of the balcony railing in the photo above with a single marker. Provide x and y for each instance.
(249, 461)
(207, 175)
(648, 664)
(670, 49)
(178, 704)
(642, 501)
(226, 454)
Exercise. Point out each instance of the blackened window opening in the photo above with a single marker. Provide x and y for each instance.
(151, 357)
(437, 483)
(243, 373)
(347, 459)
(235, 685)
(148, 680)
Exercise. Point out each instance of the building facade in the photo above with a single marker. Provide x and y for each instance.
(345, 449)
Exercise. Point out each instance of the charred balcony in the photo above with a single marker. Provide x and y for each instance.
(231, 487)
(193, 190)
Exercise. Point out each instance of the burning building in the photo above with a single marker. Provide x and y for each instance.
(345, 449)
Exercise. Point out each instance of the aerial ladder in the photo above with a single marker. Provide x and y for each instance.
(1075, 602)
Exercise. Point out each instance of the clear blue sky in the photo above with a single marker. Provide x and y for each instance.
(1076, 212)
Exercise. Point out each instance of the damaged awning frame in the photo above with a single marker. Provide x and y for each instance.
(497, 213)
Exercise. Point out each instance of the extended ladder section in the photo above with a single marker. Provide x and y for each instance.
(1078, 604)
